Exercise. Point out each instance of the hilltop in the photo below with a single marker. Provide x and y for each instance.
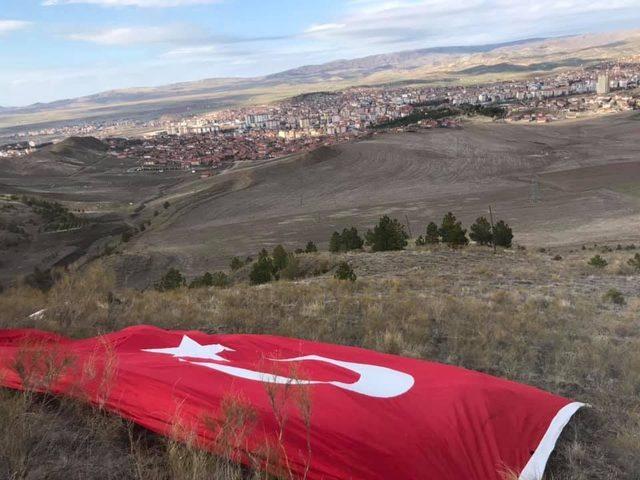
(70, 156)
(540, 316)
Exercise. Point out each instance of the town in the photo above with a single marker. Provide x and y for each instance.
(207, 142)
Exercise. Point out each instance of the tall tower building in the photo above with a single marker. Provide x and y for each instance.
(602, 88)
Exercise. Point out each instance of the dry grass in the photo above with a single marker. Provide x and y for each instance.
(520, 315)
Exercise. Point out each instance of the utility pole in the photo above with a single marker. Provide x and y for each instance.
(493, 237)
(408, 225)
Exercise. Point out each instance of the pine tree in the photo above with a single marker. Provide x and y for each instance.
(351, 240)
(452, 232)
(217, 279)
(432, 234)
(280, 258)
(335, 243)
(481, 231)
(262, 271)
(388, 235)
(171, 280)
(502, 234)
(236, 264)
(311, 247)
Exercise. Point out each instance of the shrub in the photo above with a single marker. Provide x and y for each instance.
(236, 264)
(280, 258)
(311, 247)
(345, 272)
(217, 279)
(481, 231)
(292, 269)
(41, 279)
(432, 235)
(420, 241)
(452, 232)
(634, 262)
(388, 235)
(614, 296)
(127, 234)
(170, 281)
(262, 271)
(220, 279)
(598, 262)
(166, 205)
(15, 228)
(502, 234)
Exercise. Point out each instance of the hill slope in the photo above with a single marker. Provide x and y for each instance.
(585, 172)
(518, 314)
(61, 159)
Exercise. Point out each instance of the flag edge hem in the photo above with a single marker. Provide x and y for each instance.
(535, 467)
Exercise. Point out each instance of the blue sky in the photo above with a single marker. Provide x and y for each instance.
(54, 49)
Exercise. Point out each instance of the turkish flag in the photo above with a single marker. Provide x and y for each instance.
(313, 409)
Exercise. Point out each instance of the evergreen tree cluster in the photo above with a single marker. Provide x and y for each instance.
(389, 234)
(215, 279)
(346, 241)
(171, 280)
(278, 264)
(56, 216)
(452, 233)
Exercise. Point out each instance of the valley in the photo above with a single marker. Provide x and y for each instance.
(569, 183)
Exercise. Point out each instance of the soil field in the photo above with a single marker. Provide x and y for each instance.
(555, 184)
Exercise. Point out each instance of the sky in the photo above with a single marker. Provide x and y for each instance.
(56, 49)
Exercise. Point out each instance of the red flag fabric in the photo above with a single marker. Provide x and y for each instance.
(326, 411)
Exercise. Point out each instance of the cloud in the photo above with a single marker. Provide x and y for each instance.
(125, 36)
(133, 3)
(324, 27)
(191, 51)
(402, 24)
(8, 26)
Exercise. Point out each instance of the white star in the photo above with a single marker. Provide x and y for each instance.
(191, 348)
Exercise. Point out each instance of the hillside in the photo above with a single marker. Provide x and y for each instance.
(586, 174)
(545, 318)
(85, 179)
(462, 65)
(557, 184)
(68, 157)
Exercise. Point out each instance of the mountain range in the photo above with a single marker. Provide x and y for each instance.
(435, 66)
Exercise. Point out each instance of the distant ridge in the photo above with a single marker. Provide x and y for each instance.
(402, 59)
(72, 144)
(428, 66)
